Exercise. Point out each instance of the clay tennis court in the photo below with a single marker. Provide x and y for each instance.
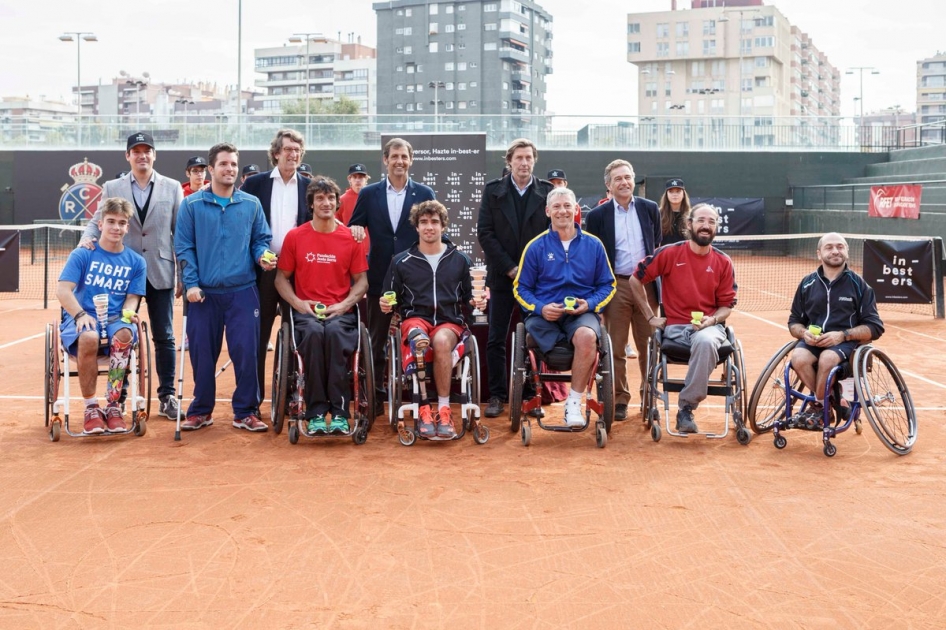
(227, 529)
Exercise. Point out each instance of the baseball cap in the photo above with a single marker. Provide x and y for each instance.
(250, 169)
(139, 138)
(357, 168)
(195, 161)
(676, 182)
(304, 168)
(556, 173)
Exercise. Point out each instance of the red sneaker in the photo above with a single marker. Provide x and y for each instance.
(114, 421)
(445, 427)
(93, 420)
(250, 423)
(192, 423)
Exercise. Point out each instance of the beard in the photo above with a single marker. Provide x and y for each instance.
(702, 239)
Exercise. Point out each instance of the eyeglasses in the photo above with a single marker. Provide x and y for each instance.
(292, 150)
(702, 221)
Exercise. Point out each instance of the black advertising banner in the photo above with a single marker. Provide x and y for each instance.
(9, 261)
(900, 272)
(737, 215)
(454, 165)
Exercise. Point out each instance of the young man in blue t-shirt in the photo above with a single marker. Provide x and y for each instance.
(113, 270)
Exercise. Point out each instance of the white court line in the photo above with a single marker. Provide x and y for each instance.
(13, 343)
(902, 371)
(21, 397)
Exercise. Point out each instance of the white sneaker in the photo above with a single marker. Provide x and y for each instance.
(270, 347)
(629, 352)
(573, 417)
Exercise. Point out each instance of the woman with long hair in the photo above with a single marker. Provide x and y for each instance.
(674, 211)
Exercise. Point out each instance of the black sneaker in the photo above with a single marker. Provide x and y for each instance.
(685, 423)
(168, 408)
(620, 412)
(495, 408)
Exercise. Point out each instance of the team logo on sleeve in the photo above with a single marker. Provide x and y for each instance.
(81, 199)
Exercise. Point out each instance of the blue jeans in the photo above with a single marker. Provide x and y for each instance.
(161, 312)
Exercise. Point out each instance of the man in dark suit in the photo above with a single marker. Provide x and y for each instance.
(629, 227)
(281, 192)
(512, 213)
(383, 209)
(150, 233)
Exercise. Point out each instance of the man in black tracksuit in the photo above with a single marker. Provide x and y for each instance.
(431, 282)
(833, 310)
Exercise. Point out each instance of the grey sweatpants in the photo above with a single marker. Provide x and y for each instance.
(704, 355)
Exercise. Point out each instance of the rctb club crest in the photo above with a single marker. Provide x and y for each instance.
(81, 199)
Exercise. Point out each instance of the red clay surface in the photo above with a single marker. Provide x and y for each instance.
(227, 529)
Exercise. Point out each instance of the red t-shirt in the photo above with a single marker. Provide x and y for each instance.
(346, 206)
(690, 282)
(322, 263)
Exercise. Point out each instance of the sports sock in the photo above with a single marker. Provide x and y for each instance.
(91, 401)
(443, 401)
(573, 395)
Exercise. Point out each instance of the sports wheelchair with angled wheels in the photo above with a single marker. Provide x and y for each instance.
(730, 383)
(530, 364)
(868, 381)
(59, 367)
(288, 387)
(408, 382)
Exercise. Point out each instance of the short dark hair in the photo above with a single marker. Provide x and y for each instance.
(398, 142)
(223, 147)
(429, 207)
(321, 184)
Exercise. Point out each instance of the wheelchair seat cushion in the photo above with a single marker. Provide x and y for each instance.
(680, 353)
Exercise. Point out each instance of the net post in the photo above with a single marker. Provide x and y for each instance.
(46, 271)
(940, 312)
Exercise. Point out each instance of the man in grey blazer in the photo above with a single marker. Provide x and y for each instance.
(156, 200)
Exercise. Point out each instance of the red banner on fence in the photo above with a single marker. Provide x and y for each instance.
(895, 201)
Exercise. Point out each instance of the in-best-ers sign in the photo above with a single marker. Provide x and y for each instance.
(895, 201)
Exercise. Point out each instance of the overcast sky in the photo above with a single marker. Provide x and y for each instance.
(177, 40)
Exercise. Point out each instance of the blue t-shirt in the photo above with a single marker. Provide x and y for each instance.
(97, 271)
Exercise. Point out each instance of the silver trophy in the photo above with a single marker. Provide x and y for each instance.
(478, 277)
(101, 314)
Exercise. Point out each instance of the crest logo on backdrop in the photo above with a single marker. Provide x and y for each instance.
(81, 199)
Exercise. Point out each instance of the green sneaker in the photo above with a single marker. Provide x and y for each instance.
(317, 424)
(338, 425)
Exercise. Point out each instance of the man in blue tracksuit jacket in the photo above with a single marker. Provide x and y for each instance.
(563, 284)
(221, 236)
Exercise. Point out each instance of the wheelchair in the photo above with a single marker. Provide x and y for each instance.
(868, 381)
(730, 382)
(465, 390)
(136, 397)
(529, 363)
(288, 387)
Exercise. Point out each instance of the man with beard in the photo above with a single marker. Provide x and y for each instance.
(841, 308)
(695, 277)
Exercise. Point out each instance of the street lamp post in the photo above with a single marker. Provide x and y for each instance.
(860, 81)
(79, 37)
(436, 102)
(297, 39)
(185, 102)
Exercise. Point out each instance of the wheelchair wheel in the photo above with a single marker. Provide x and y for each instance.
(394, 386)
(767, 402)
(280, 385)
(53, 368)
(601, 436)
(885, 399)
(606, 386)
(293, 432)
(144, 367)
(474, 354)
(741, 402)
(517, 379)
(364, 404)
(141, 426)
(481, 433)
(526, 433)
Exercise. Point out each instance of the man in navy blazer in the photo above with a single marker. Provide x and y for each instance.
(383, 209)
(281, 192)
(629, 227)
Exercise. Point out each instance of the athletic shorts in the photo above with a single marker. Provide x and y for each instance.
(549, 334)
(70, 336)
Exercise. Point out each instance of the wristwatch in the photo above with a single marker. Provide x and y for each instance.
(847, 335)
